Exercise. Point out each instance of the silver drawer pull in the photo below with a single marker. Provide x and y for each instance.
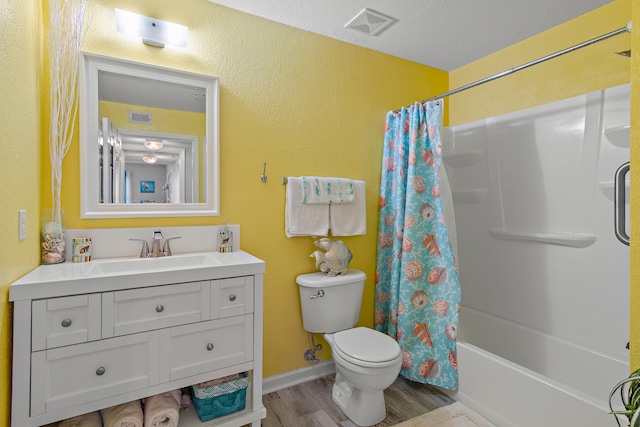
(160, 308)
(209, 346)
(232, 297)
(320, 294)
(100, 371)
(66, 323)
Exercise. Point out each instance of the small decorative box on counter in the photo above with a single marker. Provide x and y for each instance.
(225, 239)
(81, 249)
(222, 397)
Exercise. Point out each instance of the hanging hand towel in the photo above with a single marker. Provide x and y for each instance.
(162, 410)
(300, 219)
(125, 415)
(326, 191)
(91, 419)
(350, 219)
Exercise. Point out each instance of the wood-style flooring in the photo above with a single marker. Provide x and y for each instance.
(309, 404)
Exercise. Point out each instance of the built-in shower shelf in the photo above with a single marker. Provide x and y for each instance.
(468, 196)
(608, 189)
(573, 240)
(619, 135)
(461, 160)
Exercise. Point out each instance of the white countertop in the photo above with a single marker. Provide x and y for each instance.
(109, 274)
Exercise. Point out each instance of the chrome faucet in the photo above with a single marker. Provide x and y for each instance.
(155, 244)
(155, 251)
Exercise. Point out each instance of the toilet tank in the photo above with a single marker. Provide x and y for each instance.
(330, 304)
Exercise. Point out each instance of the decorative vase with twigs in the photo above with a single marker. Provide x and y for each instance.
(65, 39)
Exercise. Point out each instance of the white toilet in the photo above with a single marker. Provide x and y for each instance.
(367, 361)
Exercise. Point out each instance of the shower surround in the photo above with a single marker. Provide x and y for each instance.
(544, 322)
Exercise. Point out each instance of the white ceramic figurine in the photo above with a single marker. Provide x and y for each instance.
(335, 261)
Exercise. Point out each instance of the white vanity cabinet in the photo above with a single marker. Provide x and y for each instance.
(86, 340)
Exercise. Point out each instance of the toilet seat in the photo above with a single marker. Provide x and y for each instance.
(366, 347)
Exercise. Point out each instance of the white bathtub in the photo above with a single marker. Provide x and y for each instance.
(512, 396)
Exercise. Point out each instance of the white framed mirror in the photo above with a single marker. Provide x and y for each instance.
(149, 143)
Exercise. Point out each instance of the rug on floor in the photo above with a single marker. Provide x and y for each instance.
(454, 415)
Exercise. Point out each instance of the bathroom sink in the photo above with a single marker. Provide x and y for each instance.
(104, 274)
(182, 261)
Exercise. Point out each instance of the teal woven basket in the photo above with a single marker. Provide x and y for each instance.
(220, 400)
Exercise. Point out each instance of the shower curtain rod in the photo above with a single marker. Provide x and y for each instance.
(625, 29)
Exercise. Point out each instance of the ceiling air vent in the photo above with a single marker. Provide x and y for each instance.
(370, 22)
(137, 117)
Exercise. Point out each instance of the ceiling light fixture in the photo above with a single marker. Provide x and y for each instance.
(154, 32)
(150, 159)
(153, 145)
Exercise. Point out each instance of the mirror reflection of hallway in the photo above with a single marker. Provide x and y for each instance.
(169, 160)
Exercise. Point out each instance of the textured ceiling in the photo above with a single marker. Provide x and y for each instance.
(444, 34)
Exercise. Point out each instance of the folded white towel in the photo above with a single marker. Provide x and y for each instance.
(322, 190)
(162, 410)
(300, 219)
(350, 219)
(125, 415)
(91, 419)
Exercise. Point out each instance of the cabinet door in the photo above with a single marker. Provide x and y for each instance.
(70, 376)
(64, 321)
(201, 347)
(146, 309)
(231, 297)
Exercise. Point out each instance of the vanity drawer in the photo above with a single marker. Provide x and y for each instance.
(65, 321)
(145, 309)
(231, 297)
(71, 376)
(201, 347)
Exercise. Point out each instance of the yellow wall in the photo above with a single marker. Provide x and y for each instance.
(166, 121)
(19, 162)
(303, 103)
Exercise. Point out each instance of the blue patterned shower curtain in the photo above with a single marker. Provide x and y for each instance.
(417, 285)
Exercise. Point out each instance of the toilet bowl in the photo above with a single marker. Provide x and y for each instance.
(367, 362)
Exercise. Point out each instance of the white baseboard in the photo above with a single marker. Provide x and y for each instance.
(291, 378)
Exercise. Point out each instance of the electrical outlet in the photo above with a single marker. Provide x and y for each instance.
(22, 224)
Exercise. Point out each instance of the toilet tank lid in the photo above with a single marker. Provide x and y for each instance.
(319, 279)
(367, 345)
